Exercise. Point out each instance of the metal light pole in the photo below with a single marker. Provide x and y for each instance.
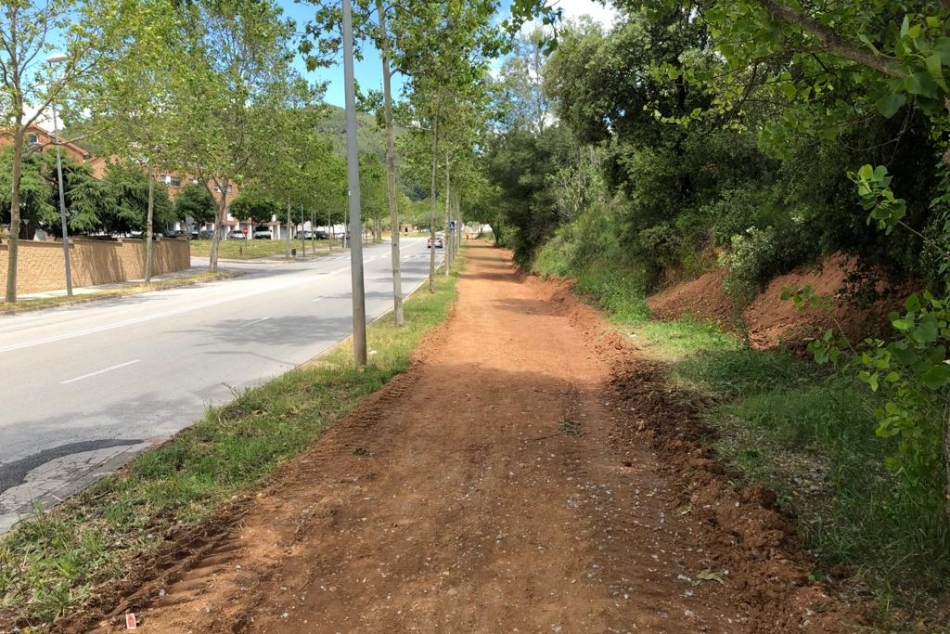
(353, 173)
(56, 59)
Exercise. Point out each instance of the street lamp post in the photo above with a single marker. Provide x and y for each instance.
(56, 59)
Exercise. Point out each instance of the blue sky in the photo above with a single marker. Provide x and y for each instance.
(369, 70)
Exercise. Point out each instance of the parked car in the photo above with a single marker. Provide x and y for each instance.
(236, 234)
(206, 234)
(439, 244)
(263, 233)
(313, 235)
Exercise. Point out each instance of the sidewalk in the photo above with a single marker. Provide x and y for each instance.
(195, 269)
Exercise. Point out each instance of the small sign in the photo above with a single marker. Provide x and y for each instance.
(130, 623)
(244, 230)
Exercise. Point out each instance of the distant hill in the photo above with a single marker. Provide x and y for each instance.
(369, 136)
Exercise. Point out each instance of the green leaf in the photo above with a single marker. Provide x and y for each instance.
(942, 46)
(936, 377)
(905, 25)
(935, 68)
(890, 104)
(903, 324)
(912, 303)
(926, 330)
(865, 172)
(710, 576)
(921, 84)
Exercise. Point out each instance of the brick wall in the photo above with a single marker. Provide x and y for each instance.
(91, 262)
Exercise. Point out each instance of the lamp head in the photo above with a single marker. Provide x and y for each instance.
(57, 58)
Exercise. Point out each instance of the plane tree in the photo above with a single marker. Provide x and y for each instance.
(82, 31)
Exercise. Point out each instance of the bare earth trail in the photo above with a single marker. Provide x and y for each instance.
(483, 491)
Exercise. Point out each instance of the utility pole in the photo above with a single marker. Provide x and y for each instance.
(353, 173)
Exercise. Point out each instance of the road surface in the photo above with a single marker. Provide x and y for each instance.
(88, 387)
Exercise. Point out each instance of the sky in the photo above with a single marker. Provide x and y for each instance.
(369, 71)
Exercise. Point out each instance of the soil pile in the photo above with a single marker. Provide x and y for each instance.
(770, 321)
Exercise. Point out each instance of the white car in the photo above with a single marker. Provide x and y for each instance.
(263, 233)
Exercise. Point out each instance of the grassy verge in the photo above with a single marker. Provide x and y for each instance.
(39, 303)
(250, 249)
(51, 563)
(808, 434)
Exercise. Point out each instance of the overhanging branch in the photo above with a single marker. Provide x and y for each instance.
(833, 42)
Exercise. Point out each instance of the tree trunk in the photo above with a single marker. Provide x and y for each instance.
(390, 167)
(14, 241)
(148, 226)
(219, 211)
(288, 230)
(448, 219)
(435, 202)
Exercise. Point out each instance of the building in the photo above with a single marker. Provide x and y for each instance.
(43, 141)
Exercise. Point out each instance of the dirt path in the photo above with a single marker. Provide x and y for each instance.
(483, 491)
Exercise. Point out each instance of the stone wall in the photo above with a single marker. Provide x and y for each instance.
(92, 262)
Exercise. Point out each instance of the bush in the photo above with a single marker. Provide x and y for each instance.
(759, 255)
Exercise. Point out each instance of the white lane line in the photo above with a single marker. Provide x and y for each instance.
(318, 299)
(258, 321)
(98, 372)
(159, 315)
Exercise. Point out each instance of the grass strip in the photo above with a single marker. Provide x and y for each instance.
(50, 563)
(250, 249)
(40, 303)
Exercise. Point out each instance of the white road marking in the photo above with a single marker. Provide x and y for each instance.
(258, 321)
(103, 371)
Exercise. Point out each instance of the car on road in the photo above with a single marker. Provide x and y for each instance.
(237, 234)
(313, 235)
(439, 244)
(263, 233)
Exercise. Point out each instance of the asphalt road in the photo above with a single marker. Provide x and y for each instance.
(88, 387)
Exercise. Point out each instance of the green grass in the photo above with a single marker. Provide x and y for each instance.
(51, 562)
(249, 249)
(39, 303)
(804, 431)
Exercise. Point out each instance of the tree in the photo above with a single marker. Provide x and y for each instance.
(195, 202)
(134, 124)
(136, 202)
(85, 30)
(373, 192)
(241, 76)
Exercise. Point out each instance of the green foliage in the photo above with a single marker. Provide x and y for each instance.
(128, 204)
(913, 373)
(876, 197)
(254, 205)
(194, 201)
(758, 255)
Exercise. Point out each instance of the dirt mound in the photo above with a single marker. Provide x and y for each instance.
(702, 298)
(771, 321)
